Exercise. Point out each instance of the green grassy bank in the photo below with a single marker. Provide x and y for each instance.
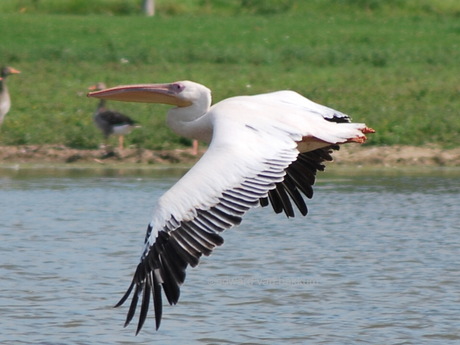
(395, 68)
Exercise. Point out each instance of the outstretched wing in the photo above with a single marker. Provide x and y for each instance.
(252, 160)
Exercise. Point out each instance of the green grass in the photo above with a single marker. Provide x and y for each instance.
(231, 7)
(392, 67)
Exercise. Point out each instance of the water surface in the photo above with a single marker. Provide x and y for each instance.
(376, 261)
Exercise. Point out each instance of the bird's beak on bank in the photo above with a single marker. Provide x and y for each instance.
(144, 93)
(12, 70)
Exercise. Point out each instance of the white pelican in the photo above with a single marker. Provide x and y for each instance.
(262, 149)
(5, 101)
(111, 122)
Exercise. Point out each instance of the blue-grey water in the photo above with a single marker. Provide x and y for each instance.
(376, 261)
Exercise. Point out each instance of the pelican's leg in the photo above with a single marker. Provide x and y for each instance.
(195, 147)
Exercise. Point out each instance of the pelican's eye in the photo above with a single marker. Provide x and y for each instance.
(177, 87)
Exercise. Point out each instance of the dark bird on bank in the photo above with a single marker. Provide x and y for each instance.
(111, 122)
(5, 100)
(263, 149)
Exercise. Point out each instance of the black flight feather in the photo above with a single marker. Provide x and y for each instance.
(157, 301)
(145, 303)
(300, 176)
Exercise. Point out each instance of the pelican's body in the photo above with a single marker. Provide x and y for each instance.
(5, 100)
(111, 122)
(262, 149)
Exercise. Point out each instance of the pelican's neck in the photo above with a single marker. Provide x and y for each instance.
(193, 121)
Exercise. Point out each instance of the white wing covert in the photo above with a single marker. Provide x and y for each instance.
(296, 100)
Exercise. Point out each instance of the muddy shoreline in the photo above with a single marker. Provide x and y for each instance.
(387, 156)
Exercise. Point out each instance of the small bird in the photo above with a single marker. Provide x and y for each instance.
(263, 149)
(111, 122)
(5, 101)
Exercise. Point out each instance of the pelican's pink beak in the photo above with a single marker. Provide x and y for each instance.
(145, 93)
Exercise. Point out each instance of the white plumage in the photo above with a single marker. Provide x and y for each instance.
(263, 149)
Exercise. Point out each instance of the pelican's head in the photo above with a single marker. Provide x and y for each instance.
(180, 93)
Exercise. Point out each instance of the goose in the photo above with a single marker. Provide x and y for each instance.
(111, 122)
(5, 100)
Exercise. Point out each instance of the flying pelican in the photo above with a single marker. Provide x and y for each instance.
(110, 121)
(263, 149)
(5, 101)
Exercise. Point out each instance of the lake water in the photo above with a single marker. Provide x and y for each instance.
(376, 261)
